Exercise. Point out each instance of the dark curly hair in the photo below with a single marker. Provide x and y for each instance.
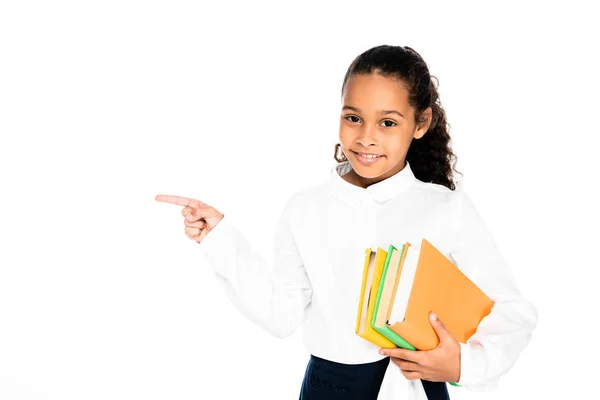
(431, 158)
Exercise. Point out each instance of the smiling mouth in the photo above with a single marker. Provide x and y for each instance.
(366, 158)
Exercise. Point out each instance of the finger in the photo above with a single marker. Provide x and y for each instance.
(196, 224)
(409, 373)
(440, 329)
(202, 235)
(408, 355)
(178, 200)
(193, 232)
(202, 212)
(411, 376)
(406, 365)
(186, 210)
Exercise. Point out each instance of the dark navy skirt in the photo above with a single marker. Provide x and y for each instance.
(328, 380)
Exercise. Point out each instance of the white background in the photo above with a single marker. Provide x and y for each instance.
(105, 104)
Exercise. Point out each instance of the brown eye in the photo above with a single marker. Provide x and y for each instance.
(389, 126)
(352, 116)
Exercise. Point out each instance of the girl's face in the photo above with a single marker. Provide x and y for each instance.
(376, 127)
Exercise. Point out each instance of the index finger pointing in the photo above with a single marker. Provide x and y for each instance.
(178, 200)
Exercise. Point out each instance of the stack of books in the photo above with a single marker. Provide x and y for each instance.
(402, 286)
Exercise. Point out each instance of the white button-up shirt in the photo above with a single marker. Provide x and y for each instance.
(316, 276)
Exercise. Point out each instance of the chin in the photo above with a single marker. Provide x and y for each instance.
(367, 172)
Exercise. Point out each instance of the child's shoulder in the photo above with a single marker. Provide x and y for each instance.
(442, 195)
(434, 189)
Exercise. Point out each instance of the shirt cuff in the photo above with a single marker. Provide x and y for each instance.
(216, 242)
(466, 364)
(473, 368)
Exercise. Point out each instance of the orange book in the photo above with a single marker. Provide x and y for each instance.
(430, 282)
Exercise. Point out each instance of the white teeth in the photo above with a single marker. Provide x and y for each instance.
(368, 156)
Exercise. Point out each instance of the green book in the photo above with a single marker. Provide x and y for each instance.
(385, 294)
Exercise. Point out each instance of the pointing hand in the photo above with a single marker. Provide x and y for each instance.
(199, 218)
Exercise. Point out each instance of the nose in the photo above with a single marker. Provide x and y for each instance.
(367, 136)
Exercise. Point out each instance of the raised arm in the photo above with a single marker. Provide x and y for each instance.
(272, 296)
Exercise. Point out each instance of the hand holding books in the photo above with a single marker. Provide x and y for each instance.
(442, 364)
(400, 289)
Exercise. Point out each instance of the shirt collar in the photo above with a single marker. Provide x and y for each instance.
(381, 191)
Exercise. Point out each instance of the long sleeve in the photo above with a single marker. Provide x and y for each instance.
(506, 331)
(272, 296)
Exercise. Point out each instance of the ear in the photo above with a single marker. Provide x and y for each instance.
(423, 124)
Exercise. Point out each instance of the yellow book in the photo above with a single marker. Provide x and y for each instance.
(373, 267)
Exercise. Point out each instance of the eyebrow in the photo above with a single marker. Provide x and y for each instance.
(384, 112)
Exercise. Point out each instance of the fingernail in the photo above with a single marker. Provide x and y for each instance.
(189, 217)
(382, 352)
(433, 316)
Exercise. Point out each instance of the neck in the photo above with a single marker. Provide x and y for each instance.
(357, 180)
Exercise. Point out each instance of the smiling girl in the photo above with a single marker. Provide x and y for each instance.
(392, 182)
